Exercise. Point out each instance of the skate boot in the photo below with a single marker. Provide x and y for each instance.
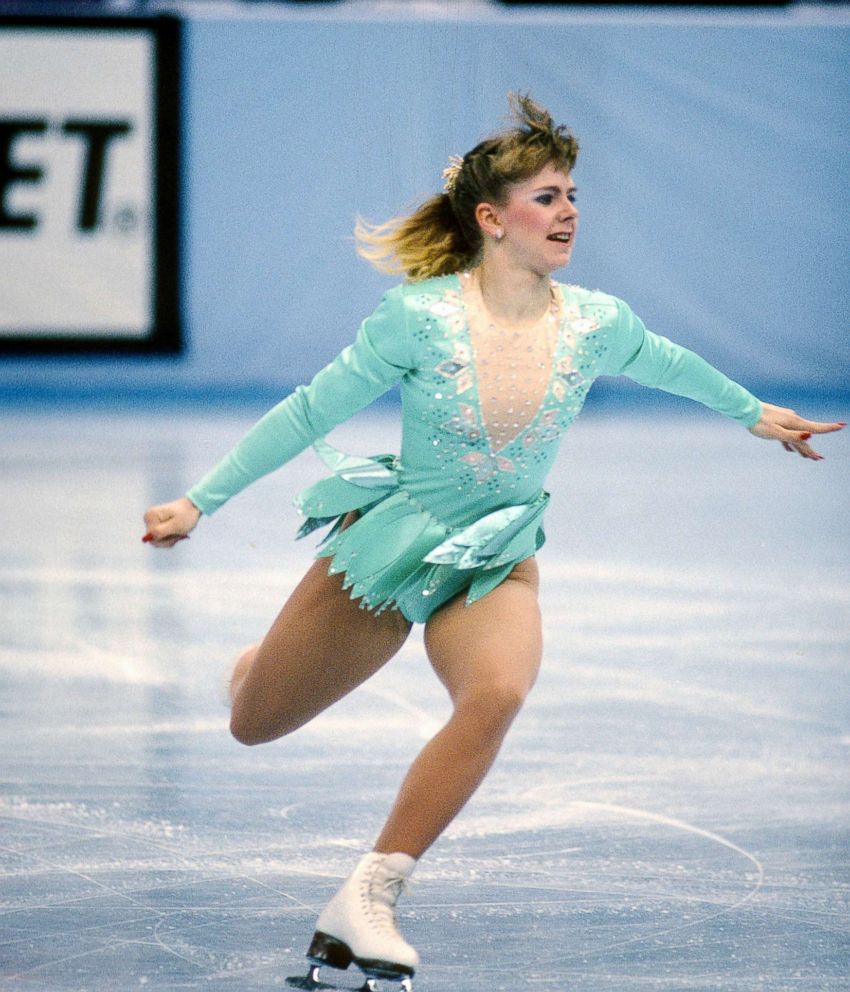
(358, 925)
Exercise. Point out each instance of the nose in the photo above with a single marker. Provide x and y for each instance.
(569, 210)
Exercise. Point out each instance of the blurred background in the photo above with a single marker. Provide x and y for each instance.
(246, 137)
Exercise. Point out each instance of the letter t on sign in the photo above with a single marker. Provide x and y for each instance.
(97, 136)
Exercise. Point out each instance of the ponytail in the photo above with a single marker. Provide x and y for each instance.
(429, 242)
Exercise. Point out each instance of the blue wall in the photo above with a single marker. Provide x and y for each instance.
(713, 183)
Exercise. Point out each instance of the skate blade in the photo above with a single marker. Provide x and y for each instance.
(311, 982)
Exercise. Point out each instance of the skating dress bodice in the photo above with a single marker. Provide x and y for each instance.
(483, 411)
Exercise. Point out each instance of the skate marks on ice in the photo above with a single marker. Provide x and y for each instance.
(86, 891)
(753, 878)
(627, 884)
(99, 893)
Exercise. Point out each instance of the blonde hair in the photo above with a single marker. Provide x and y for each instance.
(442, 236)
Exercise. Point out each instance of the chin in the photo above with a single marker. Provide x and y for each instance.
(561, 259)
(562, 264)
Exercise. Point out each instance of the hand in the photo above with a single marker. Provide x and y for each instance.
(171, 522)
(791, 430)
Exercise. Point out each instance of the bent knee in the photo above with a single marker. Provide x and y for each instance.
(494, 704)
(249, 729)
(246, 732)
(243, 735)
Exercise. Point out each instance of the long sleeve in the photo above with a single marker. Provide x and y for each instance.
(653, 360)
(378, 358)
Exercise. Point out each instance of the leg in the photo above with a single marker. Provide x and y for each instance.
(320, 647)
(487, 655)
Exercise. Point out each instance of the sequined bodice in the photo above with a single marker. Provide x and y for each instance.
(486, 405)
(512, 365)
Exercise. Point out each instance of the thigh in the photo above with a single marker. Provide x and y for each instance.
(493, 644)
(320, 647)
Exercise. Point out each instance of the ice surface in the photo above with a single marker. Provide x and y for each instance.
(670, 811)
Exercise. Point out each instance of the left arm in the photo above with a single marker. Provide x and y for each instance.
(653, 360)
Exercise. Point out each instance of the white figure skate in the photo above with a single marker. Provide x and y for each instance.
(358, 925)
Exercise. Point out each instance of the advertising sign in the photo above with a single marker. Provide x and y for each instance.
(89, 173)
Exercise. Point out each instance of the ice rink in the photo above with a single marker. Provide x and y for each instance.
(670, 812)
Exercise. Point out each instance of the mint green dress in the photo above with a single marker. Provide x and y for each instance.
(451, 512)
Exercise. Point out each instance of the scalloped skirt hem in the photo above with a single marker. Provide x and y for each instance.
(397, 554)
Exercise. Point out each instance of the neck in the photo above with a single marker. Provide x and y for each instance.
(512, 295)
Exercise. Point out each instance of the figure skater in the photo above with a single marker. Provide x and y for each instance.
(495, 359)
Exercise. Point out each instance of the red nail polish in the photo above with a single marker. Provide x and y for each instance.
(841, 423)
(147, 538)
(806, 436)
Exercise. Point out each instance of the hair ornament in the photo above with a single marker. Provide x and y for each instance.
(451, 174)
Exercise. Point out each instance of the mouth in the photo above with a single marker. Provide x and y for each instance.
(561, 237)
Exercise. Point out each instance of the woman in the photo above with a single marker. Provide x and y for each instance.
(495, 360)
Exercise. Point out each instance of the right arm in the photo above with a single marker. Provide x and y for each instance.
(378, 358)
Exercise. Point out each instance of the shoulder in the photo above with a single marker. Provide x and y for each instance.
(600, 311)
(434, 309)
(434, 285)
(426, 292)
(605, 329)
(440, 292)
(412, 316)
(591, 302)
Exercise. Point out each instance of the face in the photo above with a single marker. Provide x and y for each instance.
(540, 220)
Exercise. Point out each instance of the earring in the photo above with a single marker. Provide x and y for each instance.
(499, 234)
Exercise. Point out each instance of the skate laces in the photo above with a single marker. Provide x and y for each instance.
(381, 895)
(397, 887)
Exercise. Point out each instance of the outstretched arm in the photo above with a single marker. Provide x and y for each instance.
(793, 431)
(379, 357)
(654, 361)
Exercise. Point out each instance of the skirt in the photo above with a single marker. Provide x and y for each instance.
(398, 554)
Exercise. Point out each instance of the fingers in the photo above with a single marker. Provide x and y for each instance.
(792, 430)
(156, 521)
(779, 416)
(167, 541)
(155, 516)
(790, 420)
(806, 451)
(799, 445)
(803, 429)
(814, 427)
(793, 441)
(166, 525)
